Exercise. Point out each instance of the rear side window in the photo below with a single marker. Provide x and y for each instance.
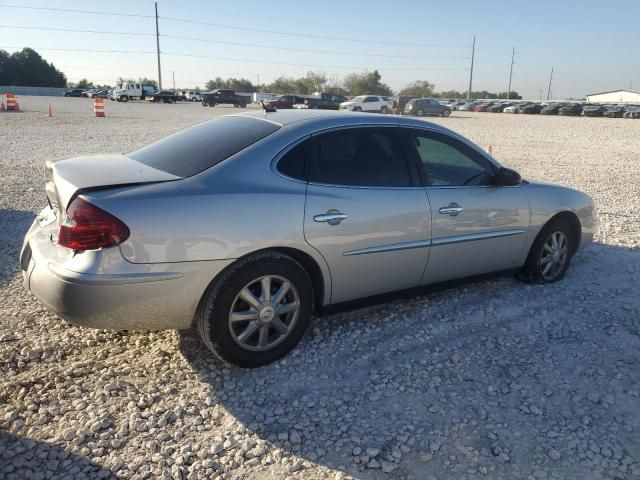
(202, 146)
(368, 157)
(294, 163)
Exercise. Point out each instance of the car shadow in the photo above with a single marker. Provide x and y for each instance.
(15, 224)
(24, 458)
(461, 372)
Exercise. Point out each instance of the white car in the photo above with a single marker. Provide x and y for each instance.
(367, 103)
(193, 97)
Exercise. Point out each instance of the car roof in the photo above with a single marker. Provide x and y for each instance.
(322, 117)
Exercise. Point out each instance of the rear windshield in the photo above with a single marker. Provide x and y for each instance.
(202, 146)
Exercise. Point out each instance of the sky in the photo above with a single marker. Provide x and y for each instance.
(591, 45)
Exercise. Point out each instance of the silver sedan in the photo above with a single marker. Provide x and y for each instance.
(248, 224)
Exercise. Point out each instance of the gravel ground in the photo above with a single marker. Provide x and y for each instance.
(494, 379)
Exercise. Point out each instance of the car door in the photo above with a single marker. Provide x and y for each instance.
(370, 104)
(476, 227)
(366, 212)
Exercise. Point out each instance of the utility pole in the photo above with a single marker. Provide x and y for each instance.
(174, 80)
(541, 95)
(513, 54)
(158, 49)
(549, 89)
(473, 52)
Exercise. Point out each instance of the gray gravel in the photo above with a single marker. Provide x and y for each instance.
(490, 380)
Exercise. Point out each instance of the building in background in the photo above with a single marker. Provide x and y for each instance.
(615, 96)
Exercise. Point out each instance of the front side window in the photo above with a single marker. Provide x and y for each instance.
(368, 157)
(446, 161)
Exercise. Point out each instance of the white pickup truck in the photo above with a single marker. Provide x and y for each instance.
(131, 91)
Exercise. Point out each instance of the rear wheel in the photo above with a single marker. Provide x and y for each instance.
(420, 112)
(550, 254)
(124, 98)
(384, 110)
(257, 311)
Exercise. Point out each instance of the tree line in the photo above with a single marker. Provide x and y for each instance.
(28, 68)
(367, 83)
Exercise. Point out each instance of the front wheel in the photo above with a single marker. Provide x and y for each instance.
(124, 98)
(420, 112)
(550, 254)
(257, 311)
(357, 109)
(446, 113)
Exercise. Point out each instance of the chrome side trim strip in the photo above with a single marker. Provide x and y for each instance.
(391, 247)
(475, 236)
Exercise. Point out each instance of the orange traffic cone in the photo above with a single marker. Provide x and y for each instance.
(98, 107)
(2, 107)
(50, 111)
(12, 103)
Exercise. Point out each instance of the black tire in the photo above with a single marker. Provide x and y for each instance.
(244, 105)
(212, 317)
(532, 270)
(446, 113)
(357, 109)
(384, 110)
(124, 98)
(212, 104)
(420, 112)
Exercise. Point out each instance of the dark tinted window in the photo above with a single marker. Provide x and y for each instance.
(197, 148)
(369, 157)
(293, 163)
(448, 162)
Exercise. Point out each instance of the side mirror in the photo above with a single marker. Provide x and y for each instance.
(506, 177)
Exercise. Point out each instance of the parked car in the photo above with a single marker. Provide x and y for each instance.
(499, 107)
(367, 103)
(552, 109)
(469, 106)
(426, 106)
(633, 112)
(284, 101)
(399, 104)
(74, 92)
(164, 96)
(515, 108)
(192, 97)
(241, 226)
(615, 111)
(572, 109)
(99, 94)
(324, 101)
(593, 110)
(224, 96)
(532, 108)
(457, 104)
(483, 107)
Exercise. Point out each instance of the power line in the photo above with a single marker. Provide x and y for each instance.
(69, 10)
(306, 35)
(83, 50)
(332, 52)
(240, 44)
(311, 64)
(237, 27)
(77, 31)
(177, 54)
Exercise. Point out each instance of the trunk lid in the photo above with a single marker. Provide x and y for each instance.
(66, 178)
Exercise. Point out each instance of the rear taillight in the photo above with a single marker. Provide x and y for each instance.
(88, 227)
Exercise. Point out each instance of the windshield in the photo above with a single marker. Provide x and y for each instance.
(202, 146)
(359, 99)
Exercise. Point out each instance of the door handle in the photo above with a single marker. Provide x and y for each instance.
(332, 217)
(452, 210)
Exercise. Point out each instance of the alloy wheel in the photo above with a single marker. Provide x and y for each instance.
(554, 255)
(264, 313)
